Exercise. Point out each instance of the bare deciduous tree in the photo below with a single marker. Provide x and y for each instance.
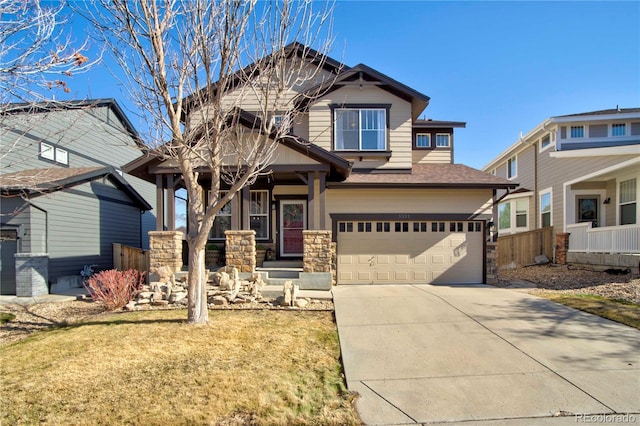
(210, 76)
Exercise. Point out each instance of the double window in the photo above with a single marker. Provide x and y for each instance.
(54, 153)
(258, 216)
(512, 215)
(576, 132)
(618, 129)
(360, 129)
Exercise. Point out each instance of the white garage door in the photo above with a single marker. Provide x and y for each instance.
(388, 252)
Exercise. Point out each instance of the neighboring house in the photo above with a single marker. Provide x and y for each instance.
(398, 207)
(62, 188)
(578, 173)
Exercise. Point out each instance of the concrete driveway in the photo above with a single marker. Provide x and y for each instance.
(430, 354)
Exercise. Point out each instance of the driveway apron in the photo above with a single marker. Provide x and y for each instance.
(429, 354)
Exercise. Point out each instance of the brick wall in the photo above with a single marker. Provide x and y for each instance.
(492, 263)
(165, 249)
(562, 247)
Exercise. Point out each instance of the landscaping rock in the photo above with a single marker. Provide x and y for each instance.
(160, 303)
(177, 296)
(219, 301)
(302, 303)
(131, 306)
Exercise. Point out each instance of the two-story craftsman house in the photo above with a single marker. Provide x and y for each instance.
(364, 165)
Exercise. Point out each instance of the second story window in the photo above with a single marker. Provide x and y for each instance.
(545, 141)
(423, 140)
(619, 129)
(54, 153)
(512, 167)
(576, 132)
(443, 140)
(361, 129)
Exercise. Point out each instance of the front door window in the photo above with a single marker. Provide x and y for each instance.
(588, 210)
(293, 220)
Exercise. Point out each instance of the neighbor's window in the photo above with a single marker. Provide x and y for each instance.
(259, 213)
(423, 140)
(443, 140)
(361, 129)
(545, 209)
(521, 213)
(628, 202)
(618, 129)
(512, 167)
(54, 153)
(222, 221)
(545, 141)
(577, 132)
(504, 216)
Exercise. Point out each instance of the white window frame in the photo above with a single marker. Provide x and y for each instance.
(428, 136)
(47, 151)
(266, 208)
(513, 216)
(62, 156)
(541, 194)
(570, 133)
(512, 160)
(619, 124)
(549, 145)
(448, 145)
(360, 110)
(619, 197)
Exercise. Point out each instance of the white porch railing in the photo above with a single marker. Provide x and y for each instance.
(608, 239)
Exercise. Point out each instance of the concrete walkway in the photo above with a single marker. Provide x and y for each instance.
(484, 355)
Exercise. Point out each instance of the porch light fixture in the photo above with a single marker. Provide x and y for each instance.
(274, 205)
(607, 200)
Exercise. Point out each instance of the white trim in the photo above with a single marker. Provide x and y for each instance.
(428, 135)
(552, 142)
(448, 140)
(47, 151)
(601, 193)
(539, 212)
(619, 180)
(518, 195)
(597, 152)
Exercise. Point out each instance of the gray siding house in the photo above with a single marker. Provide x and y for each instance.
(62, 189)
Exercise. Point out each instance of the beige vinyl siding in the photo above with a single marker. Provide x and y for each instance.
(399, 138)
(554, 171)
(432, 156)
(301, 126)
(285, 155)
(407, 201)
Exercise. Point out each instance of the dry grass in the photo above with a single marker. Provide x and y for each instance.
(617, 310)
(151, 368)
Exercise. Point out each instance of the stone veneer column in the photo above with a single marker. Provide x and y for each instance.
(32, 274)
(165, 249)
(562, 247)
(492, 263)
(317, 251)
(241, 250)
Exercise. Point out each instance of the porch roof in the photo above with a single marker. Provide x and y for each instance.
(428, 176)
(339, 168)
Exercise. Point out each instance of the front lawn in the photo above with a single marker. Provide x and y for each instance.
(151, 368)
(617, 310)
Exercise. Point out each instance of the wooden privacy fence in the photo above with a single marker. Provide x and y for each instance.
(125, 257)
(522, 248)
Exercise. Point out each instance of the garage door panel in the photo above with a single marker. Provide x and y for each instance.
(411, 252)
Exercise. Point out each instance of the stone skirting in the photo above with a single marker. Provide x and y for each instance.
(317, 251)
(492, 263)
(165, 249)
(241, 250)
(32, 274)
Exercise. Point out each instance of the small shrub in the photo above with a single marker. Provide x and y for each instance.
(114, 288)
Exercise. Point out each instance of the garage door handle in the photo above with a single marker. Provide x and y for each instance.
(371, 260)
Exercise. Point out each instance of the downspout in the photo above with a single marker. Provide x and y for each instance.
(46, 223)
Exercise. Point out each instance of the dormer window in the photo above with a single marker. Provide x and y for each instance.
(360, 129)
(618, 129)
(576, 132)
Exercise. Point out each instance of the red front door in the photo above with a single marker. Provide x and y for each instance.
(293, 220)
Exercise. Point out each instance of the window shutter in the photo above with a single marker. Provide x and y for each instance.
(598, 131)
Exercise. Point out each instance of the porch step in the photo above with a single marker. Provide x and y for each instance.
(290, 273)
(279, 264)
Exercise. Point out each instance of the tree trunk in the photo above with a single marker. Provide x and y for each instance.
(198, 312)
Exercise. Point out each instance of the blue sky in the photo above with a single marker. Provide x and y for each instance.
(502, 67)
